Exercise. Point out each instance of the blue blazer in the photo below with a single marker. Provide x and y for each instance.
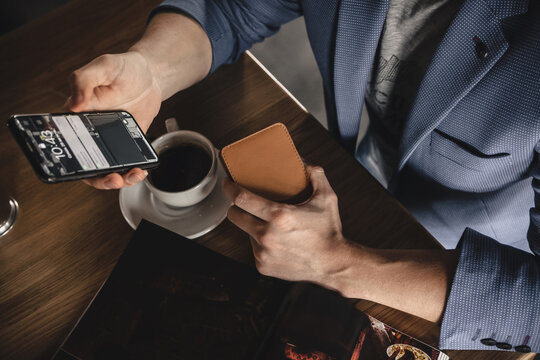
(469, 167)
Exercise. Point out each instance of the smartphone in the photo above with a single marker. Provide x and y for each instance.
(73, 146)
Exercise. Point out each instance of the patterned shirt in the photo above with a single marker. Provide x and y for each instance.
(412, 32)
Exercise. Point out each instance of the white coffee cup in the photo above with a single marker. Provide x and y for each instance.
(198, 192)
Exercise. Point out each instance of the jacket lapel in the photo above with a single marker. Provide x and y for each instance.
(358, 30)
(456, 67)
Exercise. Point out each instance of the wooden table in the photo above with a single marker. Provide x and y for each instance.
(69, 236)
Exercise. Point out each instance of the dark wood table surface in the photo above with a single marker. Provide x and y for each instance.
(69, 236)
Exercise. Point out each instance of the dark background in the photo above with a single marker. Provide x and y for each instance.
(14, 13)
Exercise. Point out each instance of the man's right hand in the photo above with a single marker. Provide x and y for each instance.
(173, 54)
(117, 82)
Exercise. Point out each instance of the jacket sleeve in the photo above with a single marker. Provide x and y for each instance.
(233, 26)
(496, 289)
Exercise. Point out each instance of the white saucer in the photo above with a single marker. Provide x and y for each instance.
(137, 202)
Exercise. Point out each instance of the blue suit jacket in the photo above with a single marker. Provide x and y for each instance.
(469, 167)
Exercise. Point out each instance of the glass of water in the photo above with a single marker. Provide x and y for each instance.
(8, 211)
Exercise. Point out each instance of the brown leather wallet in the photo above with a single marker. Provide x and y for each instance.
(268, 164)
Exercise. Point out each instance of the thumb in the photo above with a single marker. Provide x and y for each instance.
(318, 180)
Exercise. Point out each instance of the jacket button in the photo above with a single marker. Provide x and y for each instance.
(480, 48)
(488, 342)
(504, 346)
(523, 349)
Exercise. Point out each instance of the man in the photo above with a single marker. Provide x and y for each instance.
(452, 91)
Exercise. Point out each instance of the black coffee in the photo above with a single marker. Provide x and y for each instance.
(180, 168)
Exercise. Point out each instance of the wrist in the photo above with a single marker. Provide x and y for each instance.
(177, 50)
(348, 260)
(149, 65)
(359, 266)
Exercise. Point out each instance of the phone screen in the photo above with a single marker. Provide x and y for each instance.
(73, 143)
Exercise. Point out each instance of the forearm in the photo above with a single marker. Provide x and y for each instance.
(414, 281)
(177, 50)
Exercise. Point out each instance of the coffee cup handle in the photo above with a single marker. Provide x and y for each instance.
(171, 124)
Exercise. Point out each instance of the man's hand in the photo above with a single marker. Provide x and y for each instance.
(304, 243)
(117, 82)
(173, 54)
(293, 242)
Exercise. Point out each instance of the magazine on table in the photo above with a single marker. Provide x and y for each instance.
(170, 298)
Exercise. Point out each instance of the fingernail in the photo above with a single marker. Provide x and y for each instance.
(145, 173)
(108, 184)
(133, 179)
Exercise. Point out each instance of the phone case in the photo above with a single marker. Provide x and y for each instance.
(267, 163)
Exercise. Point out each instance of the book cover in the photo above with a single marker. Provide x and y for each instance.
(170, 298)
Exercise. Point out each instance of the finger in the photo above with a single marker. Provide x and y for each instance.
(99, 72)
(253, 226)
(109, 182)
(134, 176)
(257, 249)
(318, 180)
(67, 104)
(250, 202)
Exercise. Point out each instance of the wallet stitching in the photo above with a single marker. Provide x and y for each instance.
(283, 128)
(224, 154)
